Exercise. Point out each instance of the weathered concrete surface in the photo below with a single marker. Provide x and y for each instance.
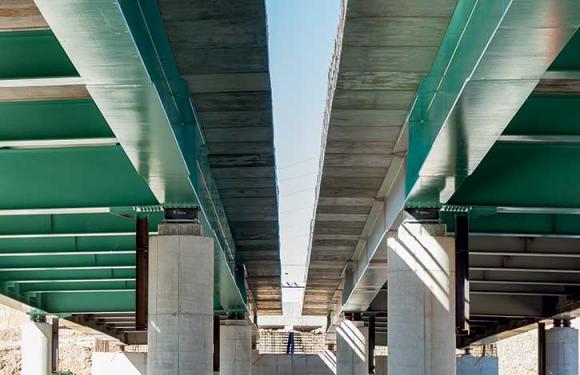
(421, 307)
(221, 50)
(235, 348)
(20, 15)
(472, 365)
(36, 348)
(383, 50)
(351, 348)
(181, 279)
(381, 365)
(119, 363)
(272, 364)
(562, 351)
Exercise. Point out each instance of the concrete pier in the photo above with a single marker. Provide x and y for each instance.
(119, 363)
(180, 334)
(351, 348)
(381, 365)
(421, 301)
(236, 348)
(36, 348)
(472, 365)
(562, 351)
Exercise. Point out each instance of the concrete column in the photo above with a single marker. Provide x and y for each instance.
(36, 348)
(351, 348)
(381, 365)
(255, 360)
(181, 276)
(421, 301)
(236, 348)
(562, 351)
(471, 365)
(119, 363)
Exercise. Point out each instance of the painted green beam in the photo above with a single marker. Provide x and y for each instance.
(538, 116)
(86, 302)
(30, 236)
(68, 243)
(522, 175)
(40, 262)
(540, 139)
(4, 256)
(31, 54)
(70, 285)
(133, 79)
(519, 224)
(121, 85)
(52, 119)
(67, 273)
(71, 177)
(493, 56)
(66, 221)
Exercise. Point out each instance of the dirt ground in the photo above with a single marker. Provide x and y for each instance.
(75, 348)
(517, 355)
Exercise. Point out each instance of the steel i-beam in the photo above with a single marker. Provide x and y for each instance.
(142, 273)
(462, 274)
(541, 348)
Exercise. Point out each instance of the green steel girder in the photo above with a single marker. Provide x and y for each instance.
(492, 57)
(52, 119)
(134, 81)
(519, 225)
(100, 40)
(84, 262)
(65, 303)
(529, 188)
(33, 54)
(50, 286)
(90, 242)
(521, 175)
(121, 220)
(547, 114)
(70, 177)
(110, 259)
(63, 273)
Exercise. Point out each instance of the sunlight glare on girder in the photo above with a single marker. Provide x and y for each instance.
(57, 143)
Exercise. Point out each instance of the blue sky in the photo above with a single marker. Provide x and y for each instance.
(302, 34)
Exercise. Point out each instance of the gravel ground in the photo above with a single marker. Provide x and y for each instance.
(518, 355)
(75, 348)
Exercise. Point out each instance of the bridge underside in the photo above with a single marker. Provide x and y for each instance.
(221, 50)
(383, 51)
(97, 131)
(489, 134)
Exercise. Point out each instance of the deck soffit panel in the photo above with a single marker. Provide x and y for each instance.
(221, 50)
(383, 51)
